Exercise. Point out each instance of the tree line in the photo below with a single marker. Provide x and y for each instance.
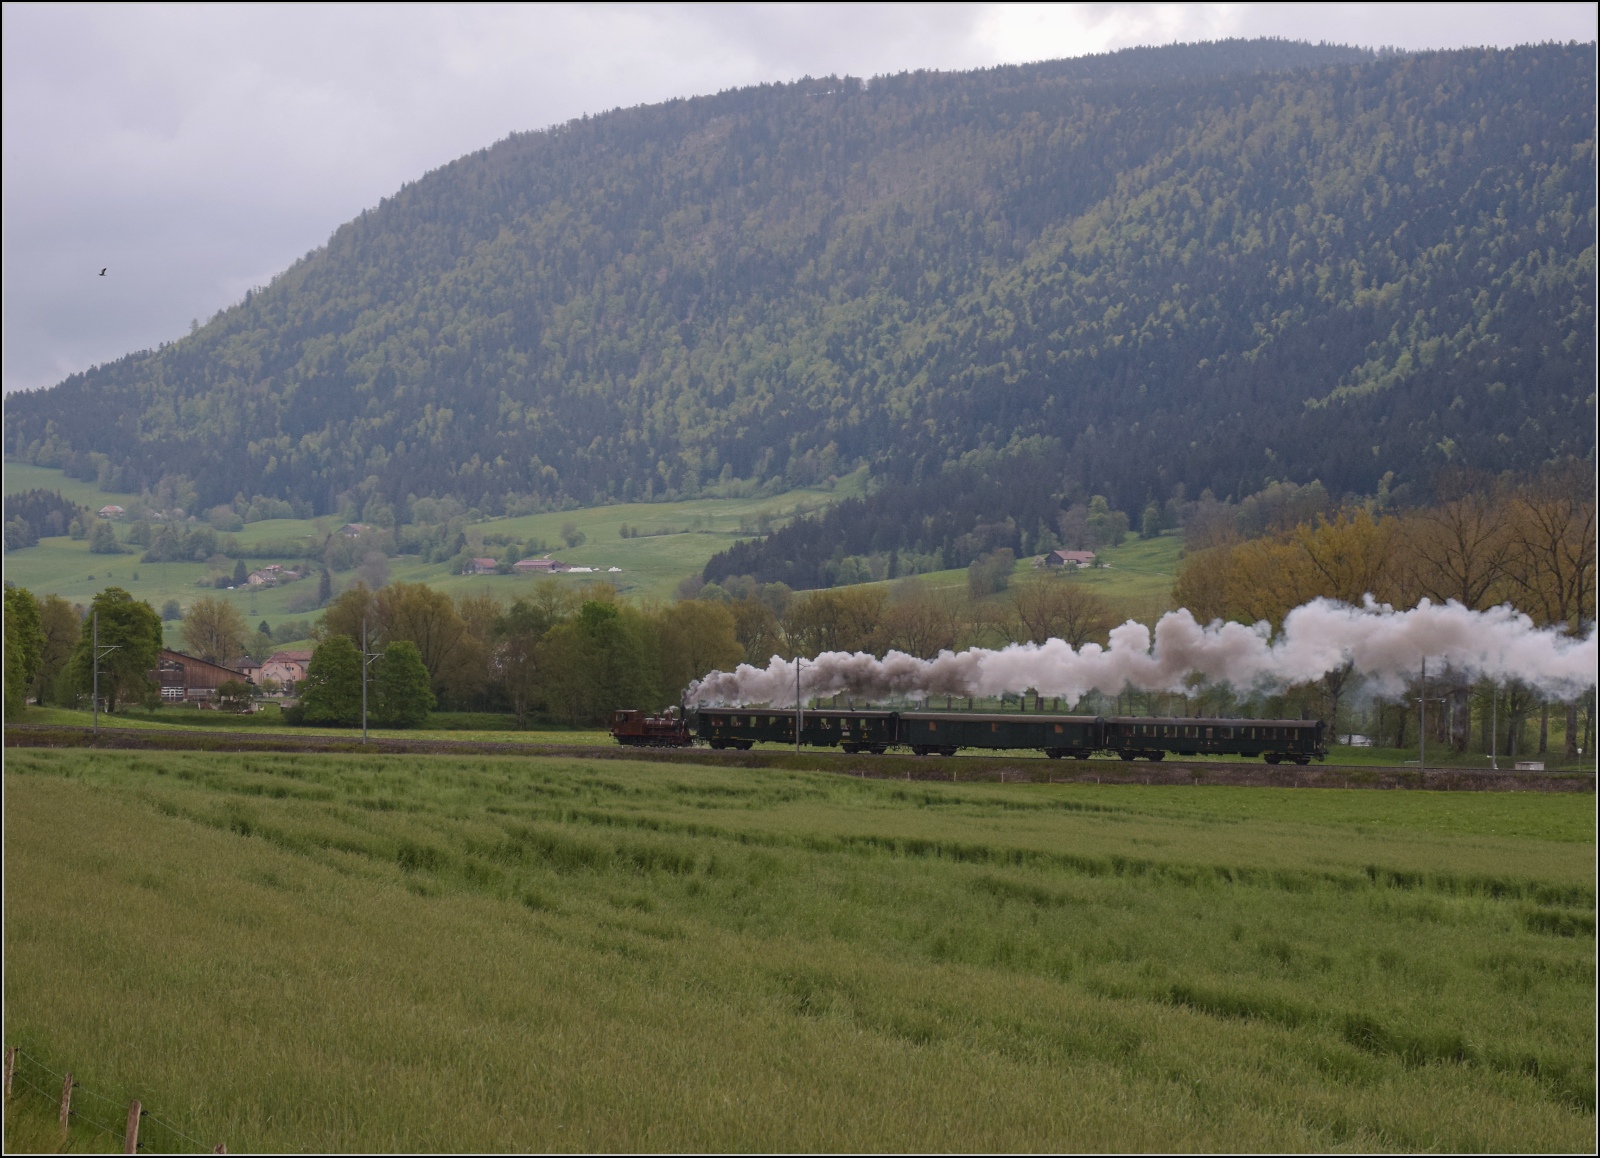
(1484, 541)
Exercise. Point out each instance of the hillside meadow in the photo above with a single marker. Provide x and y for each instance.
(433, 953)
(674, 543)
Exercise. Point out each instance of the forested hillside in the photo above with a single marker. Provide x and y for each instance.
(1211, 265)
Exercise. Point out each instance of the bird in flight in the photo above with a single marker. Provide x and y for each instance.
(103, 271)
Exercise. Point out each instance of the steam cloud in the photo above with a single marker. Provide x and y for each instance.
(1382, 644)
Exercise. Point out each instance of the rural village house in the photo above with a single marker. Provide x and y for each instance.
(111, 511)
(273, 574)
(287, 667)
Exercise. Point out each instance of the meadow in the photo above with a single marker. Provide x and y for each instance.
(434, 953)
(675, 541)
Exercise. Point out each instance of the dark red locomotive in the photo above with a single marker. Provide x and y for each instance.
(634, 728)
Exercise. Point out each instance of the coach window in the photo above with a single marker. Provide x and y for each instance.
(1208, 733)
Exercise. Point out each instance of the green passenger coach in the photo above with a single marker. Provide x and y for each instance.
(927, 733)
(1143, 738)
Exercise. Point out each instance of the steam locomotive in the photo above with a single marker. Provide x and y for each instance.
(946, 733)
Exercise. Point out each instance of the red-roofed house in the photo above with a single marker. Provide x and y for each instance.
(1072, 559)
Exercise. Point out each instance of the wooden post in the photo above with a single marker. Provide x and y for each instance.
(11, 1068)
(130, 1136)
(222, 1148)
(66, 1100)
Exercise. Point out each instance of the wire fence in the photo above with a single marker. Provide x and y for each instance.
(94, 1111)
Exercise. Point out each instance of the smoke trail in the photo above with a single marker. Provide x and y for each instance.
(1319, 637)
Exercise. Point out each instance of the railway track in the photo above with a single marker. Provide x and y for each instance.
(1030, 768)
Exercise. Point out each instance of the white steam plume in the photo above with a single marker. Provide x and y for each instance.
(1319, 637)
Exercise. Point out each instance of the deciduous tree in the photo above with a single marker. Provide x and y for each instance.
(133, 629)
(331, 691)
(1055, 607)
(401, 683)
(25, 641)
(215, 630)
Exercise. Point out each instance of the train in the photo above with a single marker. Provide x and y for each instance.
(946, 733)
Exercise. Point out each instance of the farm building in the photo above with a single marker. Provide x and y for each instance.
(545, 566)
(190, 679)
(1073, 559)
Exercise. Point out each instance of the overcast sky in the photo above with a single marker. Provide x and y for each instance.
(197, 151)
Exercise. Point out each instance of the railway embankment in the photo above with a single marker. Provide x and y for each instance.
(974, 768)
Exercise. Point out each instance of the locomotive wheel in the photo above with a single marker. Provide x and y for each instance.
(1080, 755)
(1155, 755)
(850, 749)
(1054, 753)
(878, 749)
(719, 745)
(745, 745)
(1302, 760)
(1271, 757)
(947, 751)
(1128, 755)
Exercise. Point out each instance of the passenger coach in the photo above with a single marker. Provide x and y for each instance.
(1141, 738)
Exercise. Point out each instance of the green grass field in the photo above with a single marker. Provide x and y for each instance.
(430, 953)
(1137, 579)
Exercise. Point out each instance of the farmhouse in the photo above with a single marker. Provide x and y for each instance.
(189, 679)
(111, 511)
(1072, 559)
(483, 566)
(352, 530)
(287, 667)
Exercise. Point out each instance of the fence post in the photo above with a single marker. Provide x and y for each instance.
(66, 1100)
(222, 1148)
(11, 1068)
(130, 1137)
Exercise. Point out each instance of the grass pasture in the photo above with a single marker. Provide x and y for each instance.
(433, 953)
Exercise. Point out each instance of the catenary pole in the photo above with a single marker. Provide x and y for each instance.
(1422, 722)
(799, 712)
(1494, 727)
(95, 652)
